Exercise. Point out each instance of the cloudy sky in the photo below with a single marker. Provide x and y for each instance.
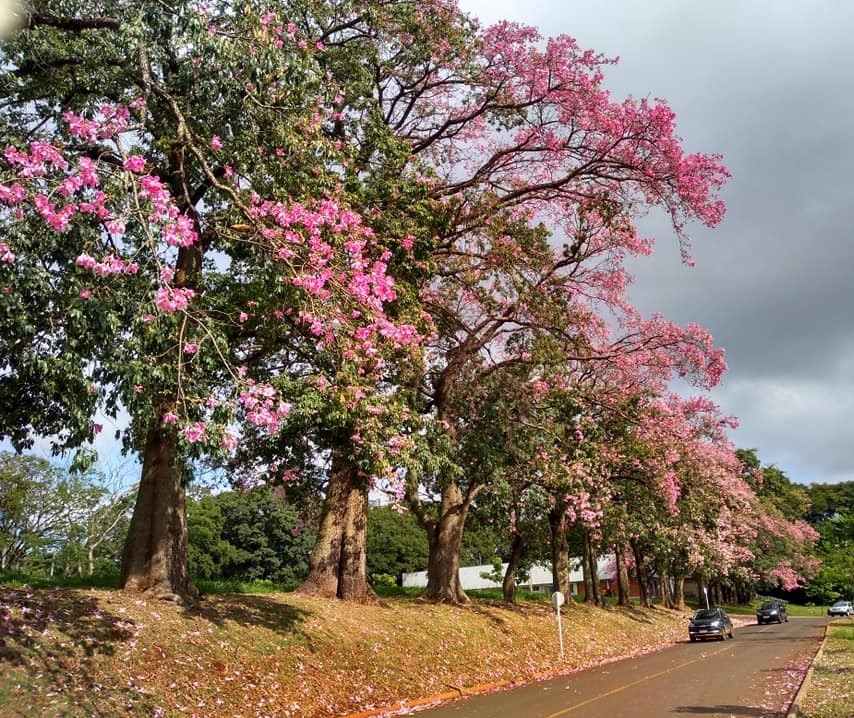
(770, 85)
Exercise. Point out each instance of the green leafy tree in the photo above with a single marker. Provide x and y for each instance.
(250, 535)
(33, 508)
(832, 515)
(396, 543)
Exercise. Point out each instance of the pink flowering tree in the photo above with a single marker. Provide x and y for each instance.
(683, 501)
(524, 152)
(179, 246)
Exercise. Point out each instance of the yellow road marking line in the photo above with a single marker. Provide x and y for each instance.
(634, 683)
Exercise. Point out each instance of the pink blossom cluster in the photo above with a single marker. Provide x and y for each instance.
(41, 159)
(180, 233)
(263, 407)
(195, 432)
(13, 194)
(107, 266)
(6, 254)
(109, 121)
(173, 299)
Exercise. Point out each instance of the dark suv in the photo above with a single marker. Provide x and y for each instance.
(710, 623)
(772, 611)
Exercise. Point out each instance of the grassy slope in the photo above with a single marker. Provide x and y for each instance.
(75, 652)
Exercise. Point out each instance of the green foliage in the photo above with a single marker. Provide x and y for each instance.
(832, 515)
(483, 540)
(253, 535)
(54, 521)
(396, 543)
(383, 579)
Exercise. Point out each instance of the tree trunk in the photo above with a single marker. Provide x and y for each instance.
(509, 585)
(154, 559)
(666, 594)
(623, 597)
(445, 538)
(560, 550)
(90, 557)
(590, 562)
(643, 575)
(679, 594)
(337, 567)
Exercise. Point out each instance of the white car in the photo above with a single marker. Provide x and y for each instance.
(841, 608)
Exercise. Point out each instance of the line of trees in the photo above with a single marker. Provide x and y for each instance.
(56, 522)
(335, 247)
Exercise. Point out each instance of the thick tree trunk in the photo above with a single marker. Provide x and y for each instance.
(445, 538)
(560, 550)
(90, 559)
(154, 560)
(337, 567)
(623, 597)
(508, 586)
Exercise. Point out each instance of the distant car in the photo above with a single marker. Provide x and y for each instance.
(710, 623)
(772, 611)
(841, 608)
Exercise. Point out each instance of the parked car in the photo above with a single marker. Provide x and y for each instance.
(772, 611)
(710, 623)
(841, 608)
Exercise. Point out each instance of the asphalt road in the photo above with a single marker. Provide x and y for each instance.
(754, 676)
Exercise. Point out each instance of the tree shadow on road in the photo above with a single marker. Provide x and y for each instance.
(730, 710)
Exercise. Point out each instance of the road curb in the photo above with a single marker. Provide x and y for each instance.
(795, 707)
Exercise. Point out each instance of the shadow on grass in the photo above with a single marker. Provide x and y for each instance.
(249, 610)
(51, 642)
(635, 613)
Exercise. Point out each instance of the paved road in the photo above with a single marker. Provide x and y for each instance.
(749, 677)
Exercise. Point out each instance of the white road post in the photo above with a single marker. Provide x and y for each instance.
(558, 601)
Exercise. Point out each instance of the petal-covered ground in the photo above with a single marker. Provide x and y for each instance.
(75, 653)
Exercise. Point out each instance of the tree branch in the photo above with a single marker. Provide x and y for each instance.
(72, 24)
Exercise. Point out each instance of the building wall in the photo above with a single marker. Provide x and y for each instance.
(540, 579)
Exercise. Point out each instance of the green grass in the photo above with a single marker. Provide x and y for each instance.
(229, 586)
(15, 579)
(211, 587)
(829, 692)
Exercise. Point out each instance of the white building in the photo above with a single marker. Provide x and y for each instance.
(540, 578)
